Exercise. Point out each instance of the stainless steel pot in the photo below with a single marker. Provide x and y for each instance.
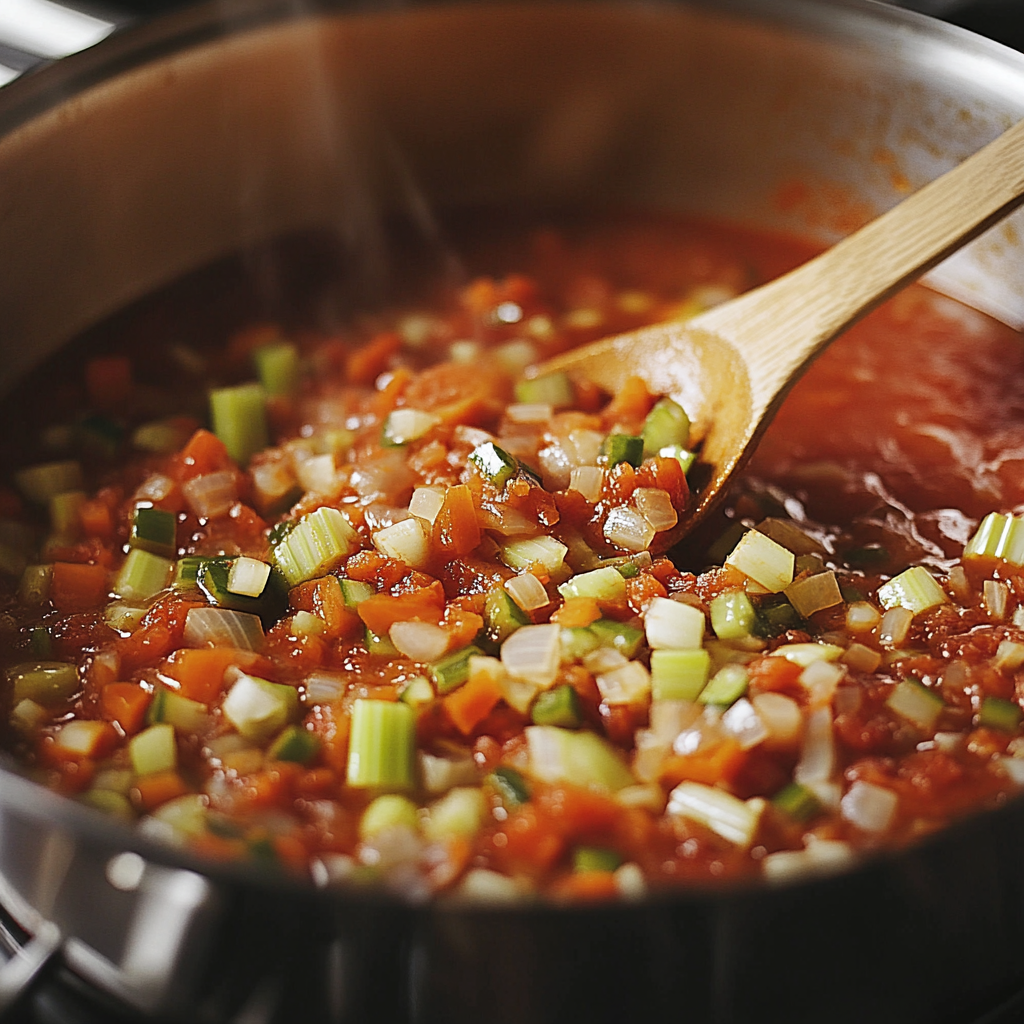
(226, 124)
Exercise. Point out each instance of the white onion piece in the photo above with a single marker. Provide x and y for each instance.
(527, 591)
(529, 412)
(385, 477)
(154, 488)
(317, 474)
(668, 718)
(994, 597)
(223, 627)
(818, 757)
(820, 680)
(744, 724)
(440, 774)
(604, 659)
(507, 521)
(554, 466)
(533, 653)
(588, 480)
(655, 505)
(733, 819)
(421, 641)
(324, 687)
(781, 716)
(426, 502)
(583, 446)
(272, 479)
(211, 494)
(407, 541)
(628, 684)
(869, 807)
(379, 516)
(626, 528)
(862, 616)
(895, 625)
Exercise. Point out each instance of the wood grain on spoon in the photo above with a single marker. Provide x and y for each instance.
(731, 366)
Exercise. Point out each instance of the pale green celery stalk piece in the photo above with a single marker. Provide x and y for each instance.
(382, 745)
(239, 417)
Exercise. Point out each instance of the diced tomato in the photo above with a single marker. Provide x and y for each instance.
(386, 399)
(776, 675)
(199, 671)
(472, 702)
(586, 886)
(160, 632)
(642, 589)
(631, 403)
(456, 531)
(76, 587)
(204, 453)
(462, 625)
(96, 518)
(381, 611)
(366, 363)
(126, 704)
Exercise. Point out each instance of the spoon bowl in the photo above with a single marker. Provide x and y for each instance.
(731, 366)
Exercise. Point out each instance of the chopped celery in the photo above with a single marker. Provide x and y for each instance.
(494, 463)
(604, 584)
(460, 813)
(294, 744)
(35, 584)
(316, 544)
(186, 715)
(453, 670)
(154, 530)
(248, 576)
(40, 483)
(679, 675)
(388, 811)
(278, 368)
(623, 637)
(733, 819)
(406, 425)
(382, 745)
(666, 424)
(732, 615)
(544, 551)
(624, 448)
(502, 616)
(258, 708)
(577, 642)
(418, 691)
(727, 685)
(510, 785)
(797, 802)
(914, 701)
(142, 576)
(998, 536)
(554, 389)
(213, 579)
(40, 642)
(595, 858)
(45, 682)
(999, 714)
(808, 653)
(583, 758)
(915, 589)
(560, 706)
(767, 563)
(64, 511)
(675, 451)
(239, 417)
(355, 592)
(154, 750)
(379, 644)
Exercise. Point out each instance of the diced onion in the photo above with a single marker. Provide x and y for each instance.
(628, 684)
(407, 541)
(895, 625)
(1009, 655)
(383, 477)
(223, 627)
(440, 774)
(588, 480)
(655, 505)
(554, 464)
(533, 653)
(529, 412)
(527, 591)
(814, 593)
(211, 494)
(869, 807)
(820, 680)
(862, 616)
(673, 625)
(426, 502)
(421, 641)
(995, 596)
(818, 758)
(248, 576)
(861, 658)
(744, 724)
(733, 819)
(324, 687)
(317, 474)
(781, 716)
(627, 528)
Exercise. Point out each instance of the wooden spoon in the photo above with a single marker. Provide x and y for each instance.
(731, 366)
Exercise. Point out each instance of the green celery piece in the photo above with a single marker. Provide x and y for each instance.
(666, 424)
(294, 744)
(154, 750)
(915, 588)
(278, 368)
(797, 802)
(502, 616)
(583, 758)
(186, 569)
(239, 417)
(45, 682)
(418, 691)
(270, 606)
(513, 789)
(154, 530)
(998, 536)
(186, 715)
(727, 685)
(685, 458)
(679, 675)
(317, 543)
(40, 642)
(560, 706)
(64, 511)
(626, 639)
(554, 389)
(624, 448)
(143, 575)
(41, 483)
(494, 463)
(604, 584)
(453, 669)
(382, 745)
(577, 642)
(355, 592)
(595, 858)
(377, 644)
(732, 615)
(1001, 715)
(912, 700)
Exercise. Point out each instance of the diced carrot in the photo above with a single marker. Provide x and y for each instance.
(577, 612)
(75, 587)
(448, 387)
(385, 399)
(720, 762)
(642, 589)
(270, 787)
(381, 611)
(367, 362)
(577, 812)
(96, 519)
(530, 846)
(207, 844)
(586, 885)
(775, 674)
(160, 633)
(204, 453)
(373, 567)
(456, 530)
(331, 725)
(200, 670)
(108, 381)
(462, 625)
(150, 791)
(85, 738)
(329, 604)
(472, 702)
(631, 403)
(126, 704)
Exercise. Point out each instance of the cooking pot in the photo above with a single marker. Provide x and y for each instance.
(225, 125)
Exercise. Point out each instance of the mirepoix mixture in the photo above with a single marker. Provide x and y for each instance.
(385, 607)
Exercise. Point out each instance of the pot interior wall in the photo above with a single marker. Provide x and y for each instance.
(808, 118)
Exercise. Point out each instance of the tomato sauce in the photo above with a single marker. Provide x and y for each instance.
(347, 588)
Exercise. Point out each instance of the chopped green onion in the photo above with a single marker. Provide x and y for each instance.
(239, 417)
(382, 745)
(560, 706)
(278, 367)
(727, 685)
(679, 675)
(45, 682)
(315, 545)
(915, 589)
(666, 424)
(142, 576)
(999, 714)
(732, 615)
(914, 701)
(154, 530)
(495, 464)
(624, 448)
(554, 389)
(258, 708)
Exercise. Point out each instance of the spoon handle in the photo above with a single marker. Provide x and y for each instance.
(778, 328)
